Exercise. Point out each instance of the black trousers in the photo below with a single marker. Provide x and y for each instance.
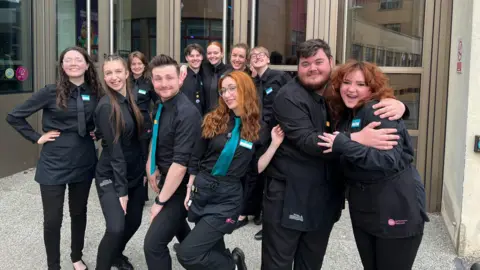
(145, 145)
(282, 247)
(52, 199)
(170, 222)
(120, 227)
(253, 189)
(204, 249)
(382, 254)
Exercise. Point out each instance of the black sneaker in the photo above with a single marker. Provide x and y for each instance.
(475, 266)
(122, 263)
(176, 246)
(258, 219)
(239, 259)
(258, 235)
(241, 223)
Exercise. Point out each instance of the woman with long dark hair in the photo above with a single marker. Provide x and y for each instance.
(385, 194)
(120, 169)
(68, 154)
(145, 97)
(232, 135)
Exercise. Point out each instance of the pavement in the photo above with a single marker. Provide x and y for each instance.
(22, 247)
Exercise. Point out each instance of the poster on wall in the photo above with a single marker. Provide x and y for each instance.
(81, 25)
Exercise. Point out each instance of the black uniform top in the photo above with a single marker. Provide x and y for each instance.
(179, 129)
(383, 183)
(229, 68)
(145, 96)
(120, 161)
(207, 152)
(267, 87)
(210, 76)
(70, 158)
(312, 198)
(193, 88)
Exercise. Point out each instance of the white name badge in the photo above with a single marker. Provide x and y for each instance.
(268, 90)
(86, 97)
(246, 144)
(143, 92)
(356, 123)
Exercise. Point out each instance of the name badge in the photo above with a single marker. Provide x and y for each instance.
(268, 90)
(356, 123)
(86, 97)
(141, 91)
(246, 144)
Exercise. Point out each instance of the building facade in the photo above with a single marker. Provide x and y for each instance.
(418, 43)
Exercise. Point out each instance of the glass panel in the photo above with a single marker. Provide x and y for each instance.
(135, 27)
(16, 53)
(407, 90)
(393, 26)
(72, 25)
(202, 22)
(280, 27)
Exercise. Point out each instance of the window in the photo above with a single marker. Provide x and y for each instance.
(393, 26)
(390, 4)
(201, 32)
(369, 54)
(357, 52)
(380, 60)
(16, 53)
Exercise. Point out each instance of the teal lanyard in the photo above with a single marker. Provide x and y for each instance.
(226, 157)
(154, 138)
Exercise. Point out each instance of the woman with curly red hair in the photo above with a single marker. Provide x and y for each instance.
(385, 193)
(233, 138)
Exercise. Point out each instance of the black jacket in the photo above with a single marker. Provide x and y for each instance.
(385, 193)
(210, 76)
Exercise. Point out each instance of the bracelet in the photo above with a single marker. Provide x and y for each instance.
(157, 201)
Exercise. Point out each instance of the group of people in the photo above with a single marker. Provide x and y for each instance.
(220, 142)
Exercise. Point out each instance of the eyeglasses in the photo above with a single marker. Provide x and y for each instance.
(258, 55)
(230, 89)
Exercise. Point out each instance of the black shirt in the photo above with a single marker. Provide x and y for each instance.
(313, 200)
(145, 96)
(207, 152)
(70, 158)
(210, 76)
(120, 161)
(193, 88)
(179, 129)
(267, 87)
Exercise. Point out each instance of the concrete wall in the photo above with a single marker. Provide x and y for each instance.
(461, 186)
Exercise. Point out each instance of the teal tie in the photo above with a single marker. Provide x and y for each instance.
(154, 138)
(226, 157)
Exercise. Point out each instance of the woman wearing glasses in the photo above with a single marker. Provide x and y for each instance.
(231, 137)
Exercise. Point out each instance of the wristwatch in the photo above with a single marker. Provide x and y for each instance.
(157, 201)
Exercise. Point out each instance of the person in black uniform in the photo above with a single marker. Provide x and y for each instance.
(193, 84)
(230, 137)
(303, 198)
(267, 82)
(385, 193)
(68, 154)
(144, 97)
(210, 73)
(176, 128)
(120, 169)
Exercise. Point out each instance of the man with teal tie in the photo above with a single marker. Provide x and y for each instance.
(176, 128)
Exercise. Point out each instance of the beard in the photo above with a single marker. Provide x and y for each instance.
(316, 86)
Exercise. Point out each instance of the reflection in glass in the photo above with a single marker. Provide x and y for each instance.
(281, 27)
(392, 26)
(16, 52)
(202, 22)
(414, 145)
(407, 90)
(72, 25)
(135, 27)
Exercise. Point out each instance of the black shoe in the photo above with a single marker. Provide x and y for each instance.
(123, 263)
(239, 258)
(241, 223)
(258, 235)
(176, 246)
(258, 219)
(475, 266)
